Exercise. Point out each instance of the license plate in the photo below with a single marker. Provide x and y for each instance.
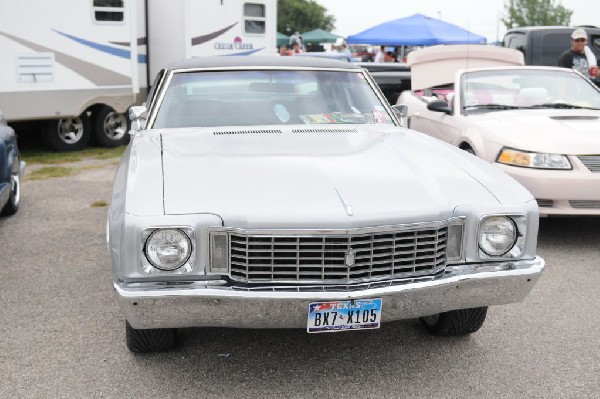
(344, 315)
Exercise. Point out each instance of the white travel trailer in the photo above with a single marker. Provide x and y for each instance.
(70, 63)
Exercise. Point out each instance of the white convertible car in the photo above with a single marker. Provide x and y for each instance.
(541, 125)
(271, 192)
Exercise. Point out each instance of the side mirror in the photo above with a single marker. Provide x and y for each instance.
(439, 106)
(2, 119)
(138, 115)
(401, 112)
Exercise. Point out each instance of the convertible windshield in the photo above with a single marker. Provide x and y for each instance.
(269, 97)
(524, 89)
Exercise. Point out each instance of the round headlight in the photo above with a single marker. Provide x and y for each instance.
(497, 235)
(168, 249)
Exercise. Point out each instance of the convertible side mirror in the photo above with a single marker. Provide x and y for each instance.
(401, 112)
(138, 115)
(439, 106)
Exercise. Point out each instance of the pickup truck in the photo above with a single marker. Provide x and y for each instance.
(542, 45)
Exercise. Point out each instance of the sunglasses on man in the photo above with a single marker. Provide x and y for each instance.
(579, 40)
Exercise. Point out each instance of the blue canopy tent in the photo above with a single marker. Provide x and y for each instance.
(416, 30)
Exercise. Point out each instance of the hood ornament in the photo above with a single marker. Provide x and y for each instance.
(346, 204)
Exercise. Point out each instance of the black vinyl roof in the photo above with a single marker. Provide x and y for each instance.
(261, 61)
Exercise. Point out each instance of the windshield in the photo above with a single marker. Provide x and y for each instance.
(270, 97)
(534, 88)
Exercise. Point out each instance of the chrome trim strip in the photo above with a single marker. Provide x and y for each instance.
(166, 82)
(351, 231)
(156, 305)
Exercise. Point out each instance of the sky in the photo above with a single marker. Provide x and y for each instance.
(481, 17)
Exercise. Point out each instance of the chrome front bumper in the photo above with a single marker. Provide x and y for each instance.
(207, 304)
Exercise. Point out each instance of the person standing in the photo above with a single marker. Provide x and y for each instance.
(296, 49)
(345, 50)
(295, 38)
(380, 56)
(575, 57)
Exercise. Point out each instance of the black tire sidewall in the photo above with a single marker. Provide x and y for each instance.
(11, 207)
(53, 140)
(98, 124)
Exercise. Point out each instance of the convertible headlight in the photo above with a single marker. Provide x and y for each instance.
(509, 156)
(497, 235)
(168, 249)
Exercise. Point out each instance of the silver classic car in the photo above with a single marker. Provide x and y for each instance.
(283, 192)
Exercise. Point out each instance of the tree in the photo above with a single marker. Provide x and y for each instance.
(535, 13)
(302, 16)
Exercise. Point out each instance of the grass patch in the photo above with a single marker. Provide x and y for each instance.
(49, 172)
(99, 204)
(40, 157)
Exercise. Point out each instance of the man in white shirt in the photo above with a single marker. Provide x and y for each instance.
(380, 56)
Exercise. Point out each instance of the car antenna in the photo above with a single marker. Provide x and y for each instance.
(467, 69)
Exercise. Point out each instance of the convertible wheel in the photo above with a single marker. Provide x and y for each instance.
(12, 206)
(455, 322)
(69, 134)
(110, 127)
(150, 340)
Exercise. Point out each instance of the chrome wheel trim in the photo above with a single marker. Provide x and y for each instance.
(16, 188)
(115, 125)
(70, 131)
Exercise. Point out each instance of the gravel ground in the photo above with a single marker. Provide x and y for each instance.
(62, 334)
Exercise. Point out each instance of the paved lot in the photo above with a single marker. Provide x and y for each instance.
(62, 335)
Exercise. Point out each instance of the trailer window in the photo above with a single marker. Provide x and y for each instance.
(108, 10)
(254, 18)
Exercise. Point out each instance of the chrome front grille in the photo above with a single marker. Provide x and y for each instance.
(592, 162)
(337, 258)
(583, 204)
(545, 203)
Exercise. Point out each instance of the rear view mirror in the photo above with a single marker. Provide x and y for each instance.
(401, 112)
(138, 115)
(439, 106)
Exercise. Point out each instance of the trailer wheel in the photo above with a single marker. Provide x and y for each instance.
(110, 127)
(70, 134)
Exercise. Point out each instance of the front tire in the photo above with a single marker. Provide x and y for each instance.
(455, 322)
(69, 134)
(150, 340)
(12, 206)
(110, 127)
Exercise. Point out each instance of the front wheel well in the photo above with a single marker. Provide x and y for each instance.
(466, 147)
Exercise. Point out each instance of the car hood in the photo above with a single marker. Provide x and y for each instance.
(570, 132)
(334, 177)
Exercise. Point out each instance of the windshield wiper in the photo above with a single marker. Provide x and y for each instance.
(492, 106)
(561, 106)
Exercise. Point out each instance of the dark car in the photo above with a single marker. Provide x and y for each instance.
(391, 77)
(11, 170)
